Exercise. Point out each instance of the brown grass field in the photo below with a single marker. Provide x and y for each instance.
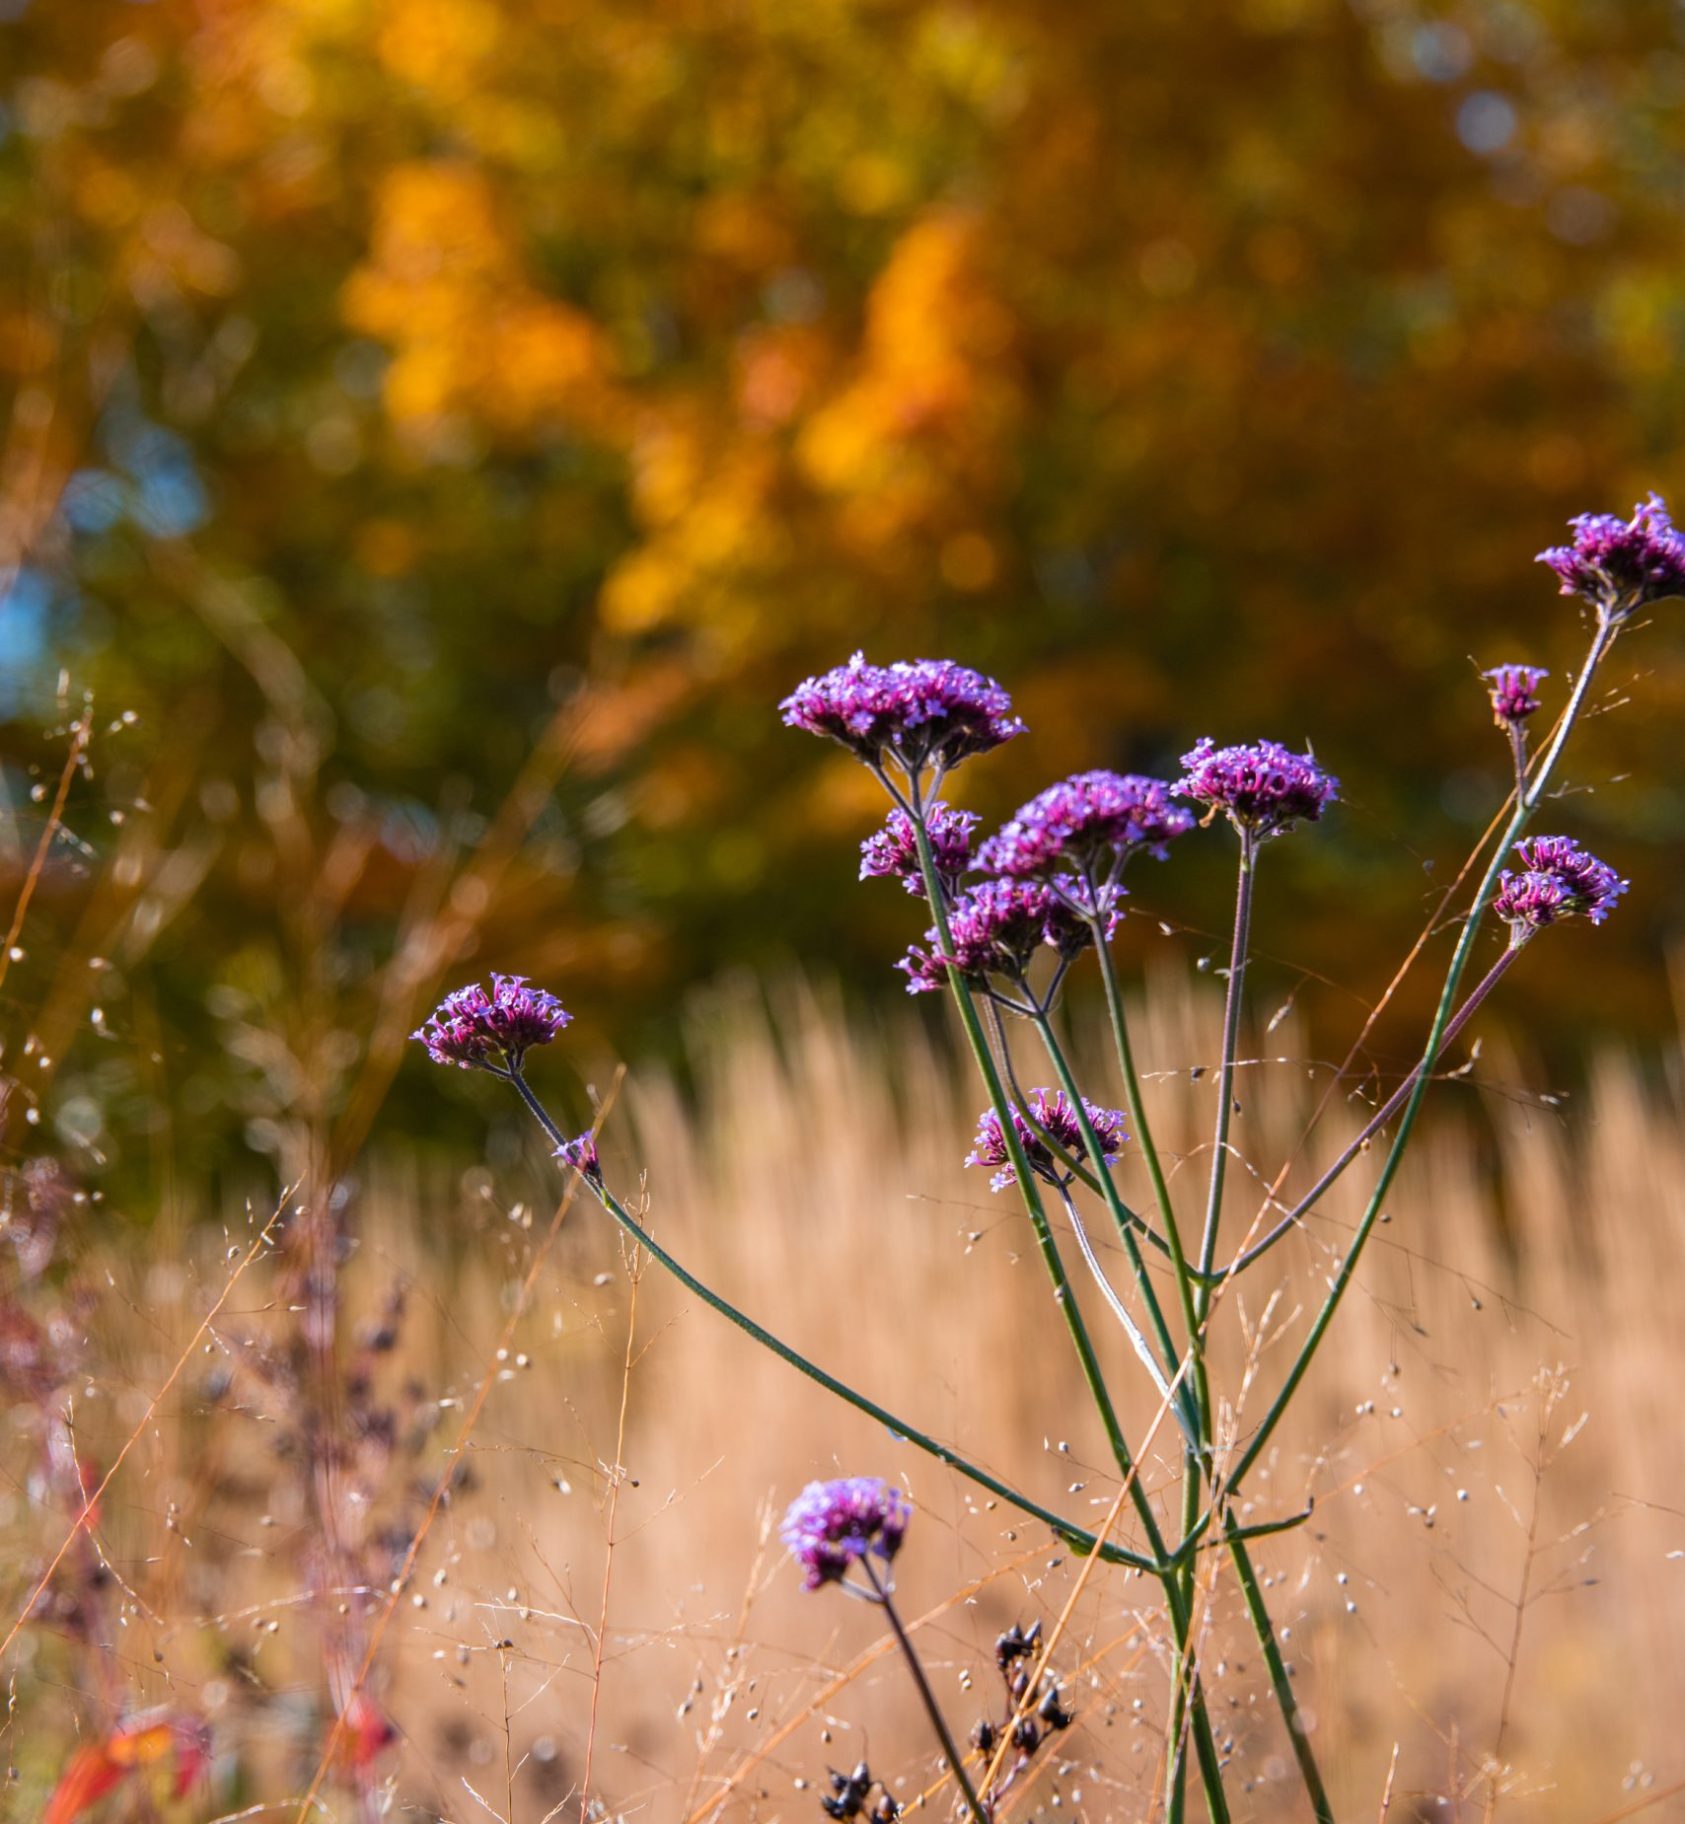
(1489, 1585)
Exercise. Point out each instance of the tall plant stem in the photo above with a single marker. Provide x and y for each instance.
(1232, 1000)
(1281, 1684)
(1211, 1772)
(1187, 1411)
(932, 1709)
(1252, 1591)
(1076, 1536)
(1063, 1292)
(1527, 801)
(1144, 1142)
(1148, 1149)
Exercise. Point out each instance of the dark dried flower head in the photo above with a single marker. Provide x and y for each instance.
(1263, 788)
(477, 1031)
(893, 853)
(915, 714)
(1558, 880)
(1621, 565)
(581, 1154)
(1514, 690)
(1053, 1110)
(830, 1526)
(1089, 822)
(996, 928)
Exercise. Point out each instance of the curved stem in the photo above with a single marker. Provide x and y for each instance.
(1119, 1309)
(1076, 1536)
(1187, 1411)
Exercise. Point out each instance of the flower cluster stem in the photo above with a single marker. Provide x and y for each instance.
(977, 1807)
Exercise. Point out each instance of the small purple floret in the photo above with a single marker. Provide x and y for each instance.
(1514, 690)
(831, 1526)
(996, 928)
(1558, 880)
(1263, 788)
(1053, 1109)
(1089, 822)
(477, 1031)
(918, 714)
(1620, 565)
(581, 1154)
(893, 853)
(1075, 909)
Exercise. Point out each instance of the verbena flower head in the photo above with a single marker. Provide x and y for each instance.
(1514, 690)
(1558, 880)
(480, 1031)
(581, 1154)
(893, 852)
(1090, 821)
(830, 1526)
(996, 927)
(1620, 565)
(1075, 908)
(1053, 1109)
(1263, 788)
(917, 714)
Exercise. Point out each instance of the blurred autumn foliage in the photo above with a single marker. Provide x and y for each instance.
(395, 390)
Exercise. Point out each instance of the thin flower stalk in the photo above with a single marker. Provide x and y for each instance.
(1527, 802)
(932, 1709)
(1211, 1774)
(1296, 1215)
(1077, 1536)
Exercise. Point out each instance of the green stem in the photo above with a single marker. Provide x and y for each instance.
(1078, 1538)
(1526, 803)
(1285, 1696)
(1225, 1076)
(1063, 1292)
(1186, 1406)
(1205, 1742)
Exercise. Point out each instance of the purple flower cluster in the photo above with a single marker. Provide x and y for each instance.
(831, 1525)
(996, 928)
(1514, 690)
(1621, 565)
(918, 714)
(1558, 879)
(1091, 822)
(1263, 789)
(1053, 1109)
(893, 853)
(581, 1154)
(477, 1031)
